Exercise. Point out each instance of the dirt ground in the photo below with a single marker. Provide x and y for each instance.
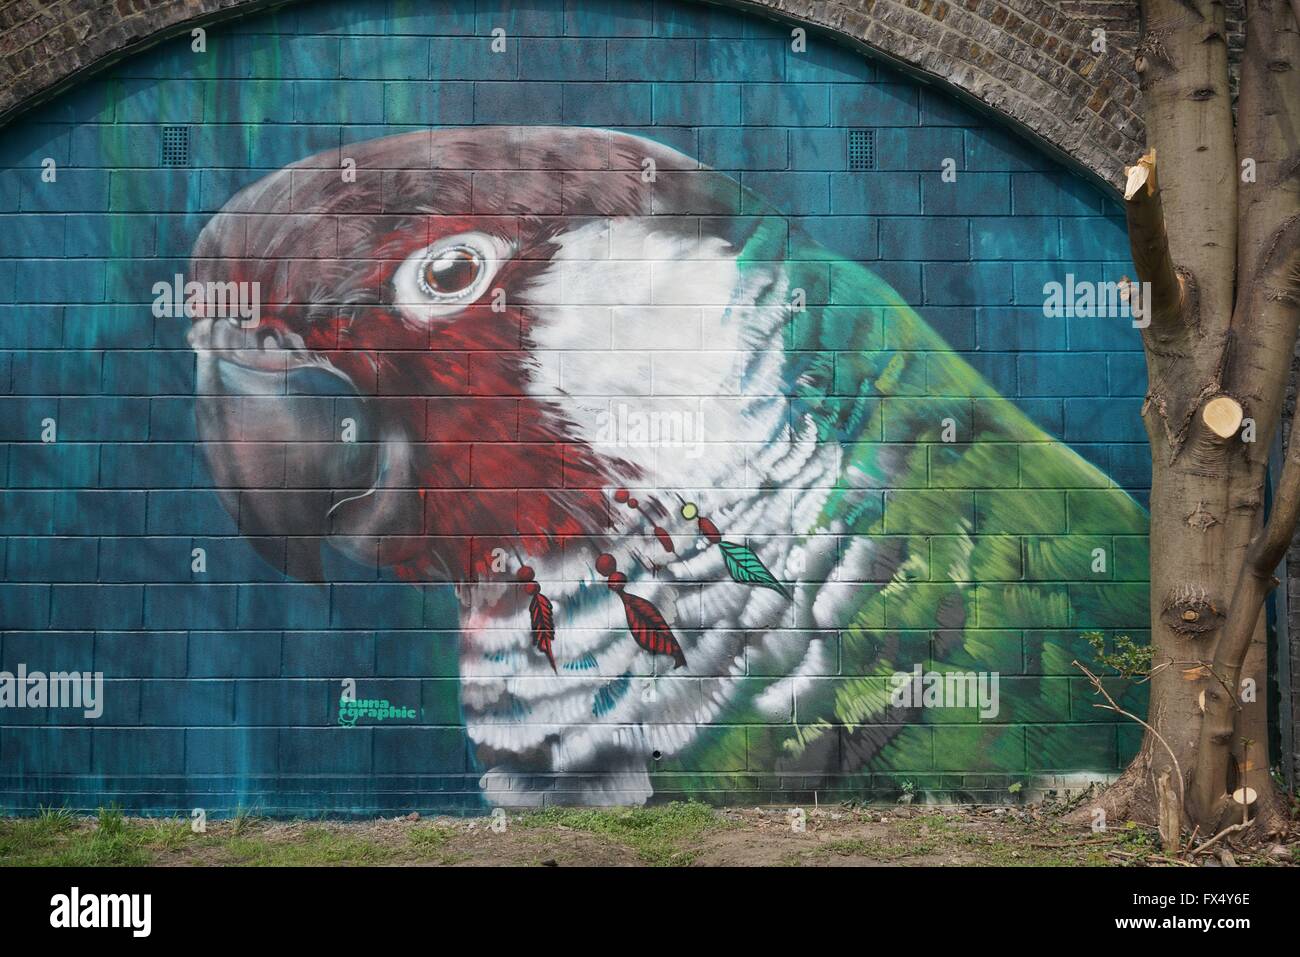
(671, 835)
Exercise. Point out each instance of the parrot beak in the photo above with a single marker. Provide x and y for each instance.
(275, 426)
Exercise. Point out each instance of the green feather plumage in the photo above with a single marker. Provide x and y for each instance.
(991, 537)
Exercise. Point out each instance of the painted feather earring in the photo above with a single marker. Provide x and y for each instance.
(742, 564)
(648, 627)
(541, 615)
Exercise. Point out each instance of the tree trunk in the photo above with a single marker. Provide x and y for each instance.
(1264, 326)
(1219, 252)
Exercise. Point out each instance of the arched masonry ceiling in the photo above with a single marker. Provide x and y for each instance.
(1023, 59)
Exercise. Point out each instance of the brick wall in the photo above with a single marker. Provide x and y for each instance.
(1027, 59)
(923, 304)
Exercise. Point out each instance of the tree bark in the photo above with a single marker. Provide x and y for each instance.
(1182, 66)
(1264, 325)
(1210, 800)
(1219, 253)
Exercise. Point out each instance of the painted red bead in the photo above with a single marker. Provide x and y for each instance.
(616, 581)
(525, 573)
(632, 503)
(532, 588)
(606, 565)
(620, 495)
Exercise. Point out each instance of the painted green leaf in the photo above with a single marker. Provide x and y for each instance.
(746, 567)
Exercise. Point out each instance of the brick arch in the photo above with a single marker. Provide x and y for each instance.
(1024, 60)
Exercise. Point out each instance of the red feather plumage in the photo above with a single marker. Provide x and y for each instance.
(650, 630)
(543, 621)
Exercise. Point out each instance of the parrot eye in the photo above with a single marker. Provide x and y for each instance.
(450, 272)
(442, 279)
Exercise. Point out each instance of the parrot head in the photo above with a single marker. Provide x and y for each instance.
(401, 396)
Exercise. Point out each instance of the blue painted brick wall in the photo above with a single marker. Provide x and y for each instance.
(223, 686)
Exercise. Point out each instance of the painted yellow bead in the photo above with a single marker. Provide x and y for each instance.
(689, 511)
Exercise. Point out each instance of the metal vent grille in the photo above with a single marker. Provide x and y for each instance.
(176, 146)
(862, 150)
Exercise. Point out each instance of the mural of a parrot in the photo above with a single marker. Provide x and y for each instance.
(485, 306)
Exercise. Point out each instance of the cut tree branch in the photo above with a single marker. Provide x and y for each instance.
(1150, 246)
(1182, 67)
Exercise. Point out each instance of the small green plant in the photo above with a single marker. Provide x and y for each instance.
(429, 836)
(114, 842)
(167, 834)
(54, 820)
(848, 847)
(243, 820)
(111, 821)
(1128, 660)
(1134, 834)
(909, 793)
